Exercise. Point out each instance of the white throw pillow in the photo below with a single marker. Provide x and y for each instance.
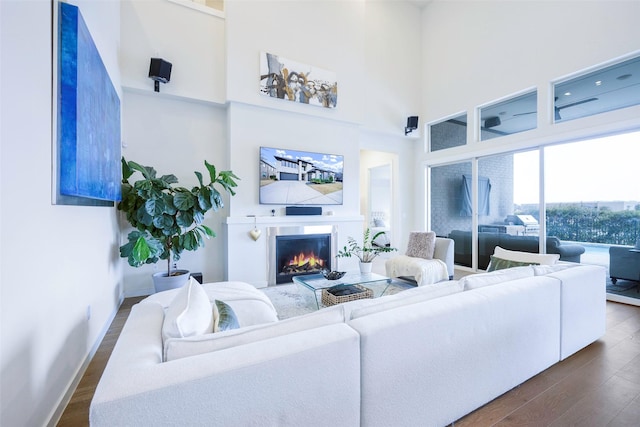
(190, 346)
(190, 313)
(474, 281)
(422, 244)
(542, 259)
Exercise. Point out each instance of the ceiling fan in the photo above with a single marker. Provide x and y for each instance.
(557, 109)
(573, 104)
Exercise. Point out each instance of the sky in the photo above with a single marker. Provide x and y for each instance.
(331, 162)
(603, 169)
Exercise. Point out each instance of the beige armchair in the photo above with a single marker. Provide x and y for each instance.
(425, 271)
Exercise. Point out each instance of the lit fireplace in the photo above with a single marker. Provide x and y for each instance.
(304, 263)
(299, 250)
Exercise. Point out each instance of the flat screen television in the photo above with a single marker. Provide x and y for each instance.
(292, 177)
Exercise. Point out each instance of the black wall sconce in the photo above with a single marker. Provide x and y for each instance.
(412, 124)
(159, 71)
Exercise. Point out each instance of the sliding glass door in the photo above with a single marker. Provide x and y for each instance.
(449, 207)
(590, 214)
(507, 204)
(593, 201)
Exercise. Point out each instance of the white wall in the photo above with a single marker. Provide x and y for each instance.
(177, 117)
(372, 47)
(283, 28)
(393, 68)
(192, 40)
(394, 64)
(479, 52)
(324, 34)
(175, 130)
(175, 136)
(250, 127)
(55, 261)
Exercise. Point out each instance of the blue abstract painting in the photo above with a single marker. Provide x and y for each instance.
(88, 117)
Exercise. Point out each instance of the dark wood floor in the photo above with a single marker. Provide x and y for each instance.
(77, 411)
(598, 386)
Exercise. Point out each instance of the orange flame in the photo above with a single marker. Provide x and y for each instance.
(308, 258)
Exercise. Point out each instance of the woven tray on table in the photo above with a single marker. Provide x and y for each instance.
(329, 299)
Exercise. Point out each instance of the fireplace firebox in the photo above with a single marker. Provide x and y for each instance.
(295, 251)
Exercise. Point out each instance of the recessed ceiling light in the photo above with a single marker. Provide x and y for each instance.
(599, 82)
(567, 94)
(623, 77)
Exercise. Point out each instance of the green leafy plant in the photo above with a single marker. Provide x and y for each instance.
(168, 218)
(368, 251)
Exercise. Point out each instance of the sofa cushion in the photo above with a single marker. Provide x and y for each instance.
(500, 264)
(252, 307)
(224, 318)
(177, 348)
(410, 296)
(480, 280)
(421, 244)
(190, 313)
(529, 257)
(542, 270)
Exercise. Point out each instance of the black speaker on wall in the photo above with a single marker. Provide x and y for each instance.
(159, 71)
(412, 124)
(303, 210)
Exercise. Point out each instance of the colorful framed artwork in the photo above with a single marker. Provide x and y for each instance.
(87, 142)
(293, 81)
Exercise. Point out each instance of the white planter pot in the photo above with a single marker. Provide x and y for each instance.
(163, 283)
(365, 267)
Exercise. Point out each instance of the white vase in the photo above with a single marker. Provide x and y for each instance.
(163, 283)
(365, 267)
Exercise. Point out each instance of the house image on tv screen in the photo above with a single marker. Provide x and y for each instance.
(293, 177)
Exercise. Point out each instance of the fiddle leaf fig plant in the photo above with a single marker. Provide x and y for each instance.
(168, 218)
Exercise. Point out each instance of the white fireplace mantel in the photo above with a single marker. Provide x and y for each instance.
(247, 258)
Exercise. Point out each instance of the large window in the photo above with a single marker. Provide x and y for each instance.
(592, 203)
(610, 88)
(511, 220)
(448, 134)
(589, 208)
(514, 115)
(593, 196)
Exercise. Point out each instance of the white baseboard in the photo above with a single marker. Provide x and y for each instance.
(623, 299)
(66, 398)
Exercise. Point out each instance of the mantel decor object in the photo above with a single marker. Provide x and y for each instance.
(255, 233)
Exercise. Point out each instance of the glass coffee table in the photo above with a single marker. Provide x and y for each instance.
(312, 285)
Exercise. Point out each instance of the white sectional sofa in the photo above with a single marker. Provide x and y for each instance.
(424, 357)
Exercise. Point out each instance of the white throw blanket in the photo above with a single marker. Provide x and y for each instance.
(425, 271)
